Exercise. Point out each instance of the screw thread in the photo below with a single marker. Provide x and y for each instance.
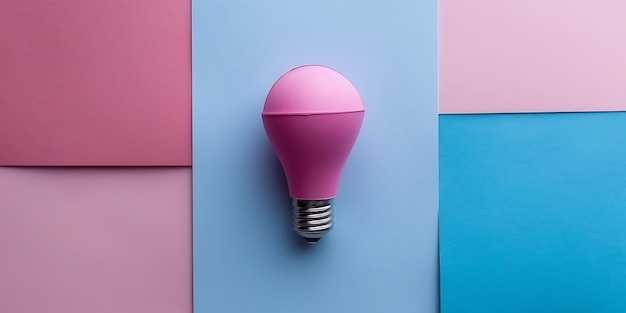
(312, 218)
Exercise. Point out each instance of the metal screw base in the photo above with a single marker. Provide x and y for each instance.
(312, 219)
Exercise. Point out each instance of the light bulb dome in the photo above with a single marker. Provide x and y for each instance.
(312, 89)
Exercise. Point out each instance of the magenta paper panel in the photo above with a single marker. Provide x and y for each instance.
(532, 56)
(78, 240)
(99, 82)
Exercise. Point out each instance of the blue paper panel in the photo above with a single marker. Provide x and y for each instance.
(382, 254)
(533, 213)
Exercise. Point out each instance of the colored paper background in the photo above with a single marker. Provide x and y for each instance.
(382, 254)
(103, 82)
(77, 240)
(532, 213)
(532, 56)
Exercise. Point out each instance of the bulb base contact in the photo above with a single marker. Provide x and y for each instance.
(312, 219)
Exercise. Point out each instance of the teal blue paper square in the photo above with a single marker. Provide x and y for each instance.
(533, 213)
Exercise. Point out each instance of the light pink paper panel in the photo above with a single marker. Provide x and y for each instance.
(78, 240)
(98, 82)
(532, 56)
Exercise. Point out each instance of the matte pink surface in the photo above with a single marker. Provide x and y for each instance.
(313, 150)
(312, 89)
(312, 117)
(99, 82)
(532, 56)
(75, 240)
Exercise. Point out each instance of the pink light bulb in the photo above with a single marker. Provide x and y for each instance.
(312, 117)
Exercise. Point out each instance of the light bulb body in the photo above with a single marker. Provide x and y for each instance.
(313, 150)
(312, 117)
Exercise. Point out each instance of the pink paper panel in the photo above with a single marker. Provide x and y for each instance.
(99, 82)
(532, 56)
(77, 240)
